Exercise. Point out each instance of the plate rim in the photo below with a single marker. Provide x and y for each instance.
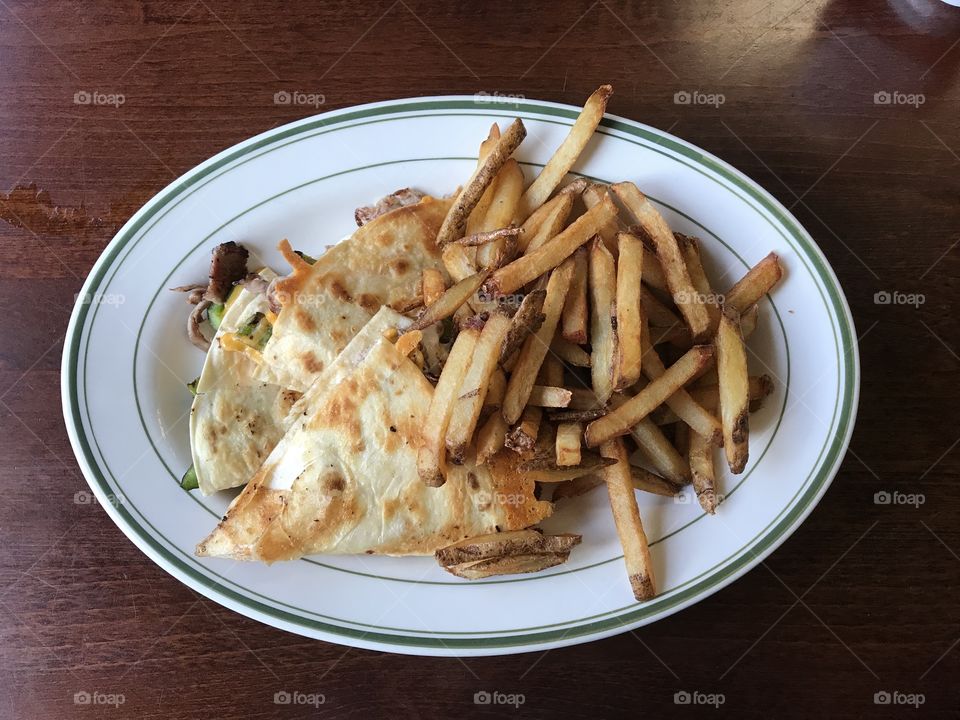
(733, 567)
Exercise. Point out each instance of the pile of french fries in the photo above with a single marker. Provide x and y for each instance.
(577, 328)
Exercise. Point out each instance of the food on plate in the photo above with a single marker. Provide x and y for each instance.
(433, 384)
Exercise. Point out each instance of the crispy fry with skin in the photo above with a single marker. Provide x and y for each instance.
(528, 319)
(554, 474)
(484, 237)
(451, 300)
(574, 319)
(643, 480)
(664, 457)
(758, 281)
(456, 220)
(626, 516)
(761, 386)
(507, 565)
(431, 460)
(571, 354)
(574, 187)
(548, 256)
(619, 421)
(545, 223)
(692, 413)
(536, 346)
(474, 387)
(505, 544)
(548, 396)
(674, 268)
(700, 454)
(569, 437)
(629, 309)
(690, 249)
(457, 261)
(603, 338)
(734, 391)
(566, 155)
(523, 437)
(506, 189)
(592, 195)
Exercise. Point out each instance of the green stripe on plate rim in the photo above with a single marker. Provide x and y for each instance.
(755, 465)
(806, 249)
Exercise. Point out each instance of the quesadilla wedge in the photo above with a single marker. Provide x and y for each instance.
(236, 419)
(324, 304)
(343, 479)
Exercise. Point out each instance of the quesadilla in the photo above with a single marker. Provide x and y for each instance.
(236, 419)
(343, 479)
(324, 304)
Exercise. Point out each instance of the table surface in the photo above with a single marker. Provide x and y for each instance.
(864, 598)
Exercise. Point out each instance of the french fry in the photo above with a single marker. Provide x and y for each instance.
(734, 391)
(643, 480)
(495, 390)
(653, 271)
(433, 286)
(566, 155)
(677, 335)
(508, 565)
(626, 516)
(571, 354)
(576, 415)
(603, 338)
(408, 342)
(480, 209)
(544, 468)
(691, 412)
(574, 187)
(474, 387)
(758, 281)
(545, 223)
(535, 347)
(457, 261)
(761, 386)
(528, 319)
(487, 236)
(749, 320)
(574, 319)
(690, 248)
(629, 310)
(505, 544)
(569, 436)
(455, 222)
(584, 399)
(674, 269)
(592, 195)
(663, 456)
(491, 437)
(619, 421)
(700, 454)
(548, 396)
(448, 303)
(657, 312)
(506, 189)
(523, 437)
(431, 460)
(548, 256)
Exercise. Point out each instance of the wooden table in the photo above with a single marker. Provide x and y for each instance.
(847, 112)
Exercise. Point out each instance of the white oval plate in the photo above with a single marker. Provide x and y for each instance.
(126, 360)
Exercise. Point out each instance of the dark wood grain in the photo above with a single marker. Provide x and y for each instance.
(863, 598)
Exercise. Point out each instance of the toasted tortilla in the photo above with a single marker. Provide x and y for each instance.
(325, 304)
(236, 419)
(343, 479)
